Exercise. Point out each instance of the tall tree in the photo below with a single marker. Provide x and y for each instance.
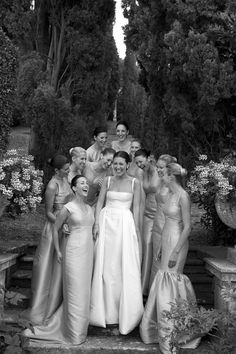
(186, 50)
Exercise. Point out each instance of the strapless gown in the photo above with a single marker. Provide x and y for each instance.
(47, 272)
(116, 295)
(158, 224)
(169, 284)
(148, 219)
(70, 322)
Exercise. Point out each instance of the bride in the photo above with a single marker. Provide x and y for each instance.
(116, 295)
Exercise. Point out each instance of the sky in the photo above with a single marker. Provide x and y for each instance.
(117, 30)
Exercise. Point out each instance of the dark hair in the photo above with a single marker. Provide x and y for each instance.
(142, 152)
(74, 180)
(108, 150)
(99, 130)
(58, 161)
(122, 154)
(124, 123)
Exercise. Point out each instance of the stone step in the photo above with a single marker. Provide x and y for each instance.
(192, 261)
(26, 262)
(21, 278)
(200, 278)
(189, 269)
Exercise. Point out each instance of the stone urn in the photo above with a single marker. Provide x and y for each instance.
(3, 203)
(226, 211)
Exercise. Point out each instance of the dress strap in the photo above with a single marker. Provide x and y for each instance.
(133, 184)
(108, 182)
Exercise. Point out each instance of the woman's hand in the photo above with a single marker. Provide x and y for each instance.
(59, 257)
(65, 229)
(173, 259)
(95, 231)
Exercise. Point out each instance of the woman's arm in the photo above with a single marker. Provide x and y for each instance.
(185, 207)
(60, 220)
(151, 180)
(136, 212)
(99, 206)
(50, 194)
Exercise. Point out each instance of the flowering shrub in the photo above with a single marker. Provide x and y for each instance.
(208, 180)
(20, 182)
(211, 178)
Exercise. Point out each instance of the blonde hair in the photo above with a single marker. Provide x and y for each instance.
(76, 151)
(168, 159)
(176, 169)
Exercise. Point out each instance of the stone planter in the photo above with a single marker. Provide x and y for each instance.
(3, 204)
(226, 212)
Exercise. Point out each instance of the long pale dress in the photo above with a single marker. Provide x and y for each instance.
(169, 284)
(121, 147)
(158, 224)
(93, 154)
(70, 322)
(47, 272)
(116, 295)
(148, 219)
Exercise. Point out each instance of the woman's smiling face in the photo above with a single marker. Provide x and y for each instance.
(119, 166)
(81, 187)
(121, 132)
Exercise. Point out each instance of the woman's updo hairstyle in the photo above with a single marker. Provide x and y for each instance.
(178, 171)
(108, 150)
(124, 156)
(124, 123)
(168, 159)
(58, 161)
(74, 181)
(76, 151)
(99, 130)
(142, 152)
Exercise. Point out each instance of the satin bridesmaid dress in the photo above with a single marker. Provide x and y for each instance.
(148, 219)
(69, 324)
(169, 284)
(116, 296)
(158, 224)
(46, 285)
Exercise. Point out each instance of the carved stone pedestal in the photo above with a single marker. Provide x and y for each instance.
(224, 272)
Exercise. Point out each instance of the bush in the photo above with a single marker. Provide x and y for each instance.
(8, 64)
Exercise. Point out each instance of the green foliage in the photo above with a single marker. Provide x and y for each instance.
(132, 100)
(56, 128)
(8, 64)
(188, 321)
(187, 52)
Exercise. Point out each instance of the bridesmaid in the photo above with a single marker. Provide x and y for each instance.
(150, 184)
(170, 284)
(95, 150)
(79, 158)
(70, 323)
(123, 143)
(159, 219)
(133, 169)
(95, 172)
(46, 270)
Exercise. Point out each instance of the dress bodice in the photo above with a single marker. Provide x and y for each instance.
(63, 194)
(79, 219)
(120, 200)
(171, 208)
